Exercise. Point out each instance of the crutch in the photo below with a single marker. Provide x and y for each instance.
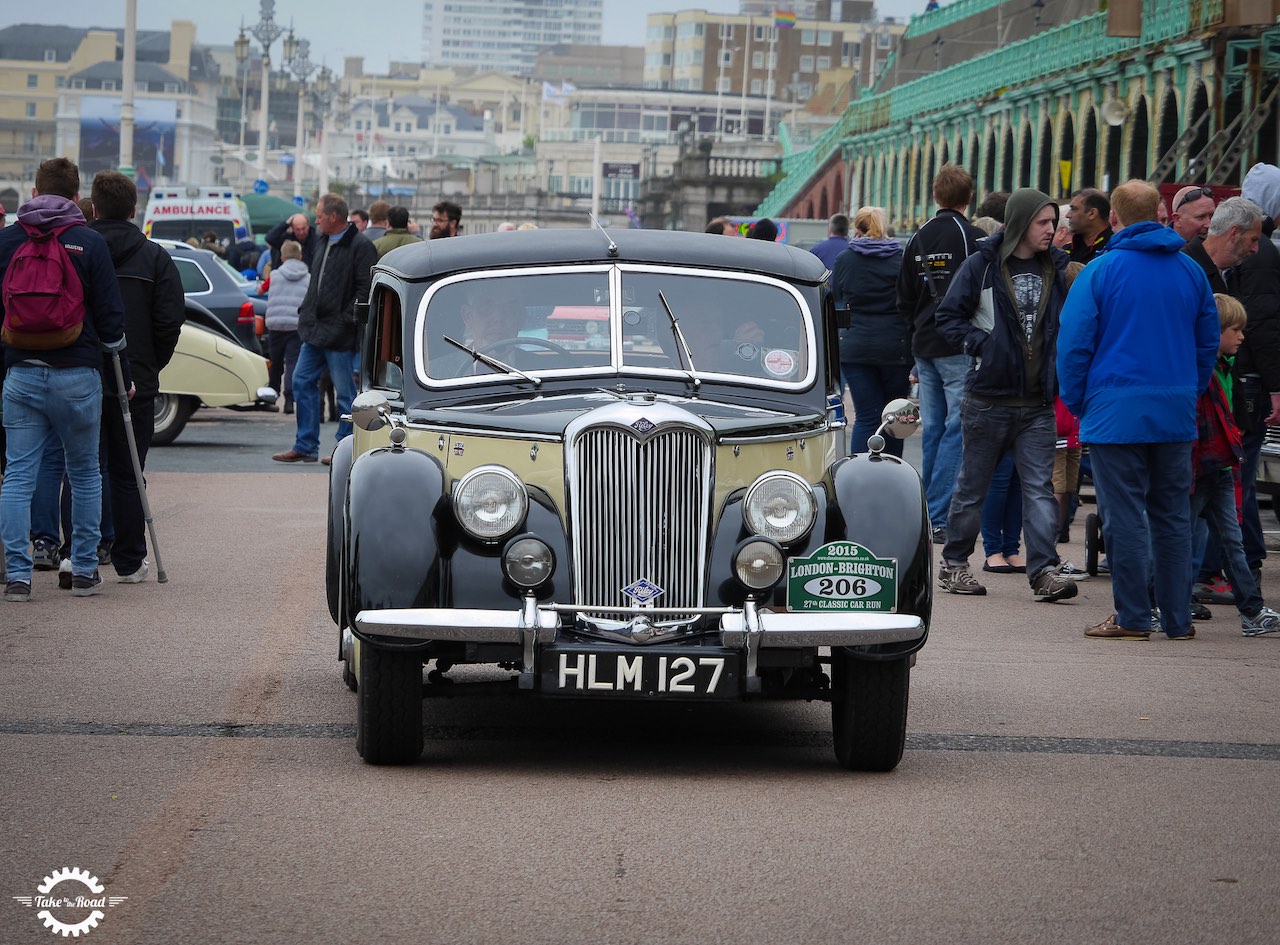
(161, 577)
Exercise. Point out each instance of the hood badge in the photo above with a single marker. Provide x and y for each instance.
(643, 425)
(643, 591)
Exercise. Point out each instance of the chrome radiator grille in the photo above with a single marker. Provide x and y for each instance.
(639, 513)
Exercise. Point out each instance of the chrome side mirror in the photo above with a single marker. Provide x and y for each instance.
(901, 418)
(369, 410)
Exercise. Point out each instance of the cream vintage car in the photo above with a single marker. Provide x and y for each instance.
(211, 368)
(666, 513)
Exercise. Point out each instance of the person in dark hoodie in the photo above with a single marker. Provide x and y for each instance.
(58, 392)
(1002, 310)
(327, 325)
(875, 353)
(154, 311)
(930, 262)
(1256, 283)
(1139, 339)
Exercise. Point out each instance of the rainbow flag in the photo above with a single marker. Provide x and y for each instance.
(784, 19)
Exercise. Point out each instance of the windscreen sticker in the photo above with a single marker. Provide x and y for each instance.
(780, 363)
(842, 575)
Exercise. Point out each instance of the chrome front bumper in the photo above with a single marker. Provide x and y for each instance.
(748, 630)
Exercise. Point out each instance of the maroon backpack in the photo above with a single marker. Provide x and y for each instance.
(42, 293)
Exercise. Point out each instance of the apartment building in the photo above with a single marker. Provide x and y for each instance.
(505, 35)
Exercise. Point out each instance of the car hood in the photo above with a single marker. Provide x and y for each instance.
(552, 413)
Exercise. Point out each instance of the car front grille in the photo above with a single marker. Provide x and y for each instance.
(638, 507)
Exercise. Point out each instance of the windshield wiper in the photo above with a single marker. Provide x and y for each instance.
(494, 363)
(675, 328)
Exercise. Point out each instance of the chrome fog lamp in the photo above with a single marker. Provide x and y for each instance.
(528, 561)
(758, 563)
(780, 506)
(490, 502)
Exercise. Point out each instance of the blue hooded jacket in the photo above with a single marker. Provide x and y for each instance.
(1138, 340)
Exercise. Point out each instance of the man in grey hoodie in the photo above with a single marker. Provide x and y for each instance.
(58, 392)
(1002, 310)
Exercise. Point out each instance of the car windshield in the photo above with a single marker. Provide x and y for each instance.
(735, 326)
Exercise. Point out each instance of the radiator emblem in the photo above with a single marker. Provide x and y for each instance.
(643, 591)
(643, 425)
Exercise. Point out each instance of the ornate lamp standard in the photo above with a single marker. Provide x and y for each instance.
(323, 93)
(242, 73)
(266, 31)
(297, 58)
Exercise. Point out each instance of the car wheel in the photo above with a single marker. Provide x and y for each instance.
(172, 413)
(389, 714)
(869, 711)
(1092, 542)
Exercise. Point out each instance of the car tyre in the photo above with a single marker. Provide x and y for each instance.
(389, 713)
(172, 413)
(1092, 542)
(869, 711)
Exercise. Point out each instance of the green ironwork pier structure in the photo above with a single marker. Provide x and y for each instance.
(1053, 94)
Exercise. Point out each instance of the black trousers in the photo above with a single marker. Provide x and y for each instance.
(130, 546)
(282, 348)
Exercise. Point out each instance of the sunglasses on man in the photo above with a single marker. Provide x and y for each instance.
(1193, 195)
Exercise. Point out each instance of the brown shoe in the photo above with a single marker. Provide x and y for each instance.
(293, 456)
(326, 460)
(1110, 630)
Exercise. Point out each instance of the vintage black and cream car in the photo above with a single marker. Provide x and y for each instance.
(611, 465)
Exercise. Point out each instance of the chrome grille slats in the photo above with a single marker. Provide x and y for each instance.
(639, 508)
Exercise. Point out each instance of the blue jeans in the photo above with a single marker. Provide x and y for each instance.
(1002, 512)
(991, 431)
(1144, 498)
(941, 390)
(872, 386)
(51, 503)
(306, 393)
(1215, 501)
(41, 403)
(1255, 547)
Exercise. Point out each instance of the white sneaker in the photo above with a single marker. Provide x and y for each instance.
(137, 577)
(64, 574)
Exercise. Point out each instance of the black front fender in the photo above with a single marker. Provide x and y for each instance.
(395, 498)
(879, 503)
(339, 471)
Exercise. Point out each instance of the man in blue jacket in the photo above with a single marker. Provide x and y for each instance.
(58, 392)
(1139, 339)
(1002, 310)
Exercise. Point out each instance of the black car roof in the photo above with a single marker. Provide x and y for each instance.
(434, 258)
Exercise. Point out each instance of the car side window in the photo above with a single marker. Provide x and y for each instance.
(387, 341)
(193, 279)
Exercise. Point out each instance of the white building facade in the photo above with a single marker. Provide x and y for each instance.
(505, 35)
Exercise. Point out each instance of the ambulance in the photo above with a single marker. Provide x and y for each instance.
(177, 213)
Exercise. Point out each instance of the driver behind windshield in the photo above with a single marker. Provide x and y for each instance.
(491, 313)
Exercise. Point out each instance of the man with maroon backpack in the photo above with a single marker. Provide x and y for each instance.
(61, 307)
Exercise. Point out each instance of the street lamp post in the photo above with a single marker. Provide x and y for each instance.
(266, 31)
(242, 72)
(297, 56)
(323, 92)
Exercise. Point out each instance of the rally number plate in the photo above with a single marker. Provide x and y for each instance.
(669, 673)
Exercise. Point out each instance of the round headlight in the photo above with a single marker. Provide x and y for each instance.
(490, 502)
(780, 506)
(528, 561)
(758, 564)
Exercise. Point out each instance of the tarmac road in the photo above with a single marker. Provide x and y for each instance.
(192, 746)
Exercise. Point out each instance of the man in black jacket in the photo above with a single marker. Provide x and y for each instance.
(327, 325)
(297, 227)
(1256, 283)
(154, 311)
(931, 259)
(1002, 311)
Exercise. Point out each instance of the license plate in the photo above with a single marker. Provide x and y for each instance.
(670, 673)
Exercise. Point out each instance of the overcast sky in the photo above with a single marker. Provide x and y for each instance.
(381, 31)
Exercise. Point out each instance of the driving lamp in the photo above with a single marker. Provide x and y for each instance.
(758, 564)
(528, 561)
(490, 502)
(780, 506)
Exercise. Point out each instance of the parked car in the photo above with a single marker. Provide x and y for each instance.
(210, 280)
(210, 367)
(671, 516)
